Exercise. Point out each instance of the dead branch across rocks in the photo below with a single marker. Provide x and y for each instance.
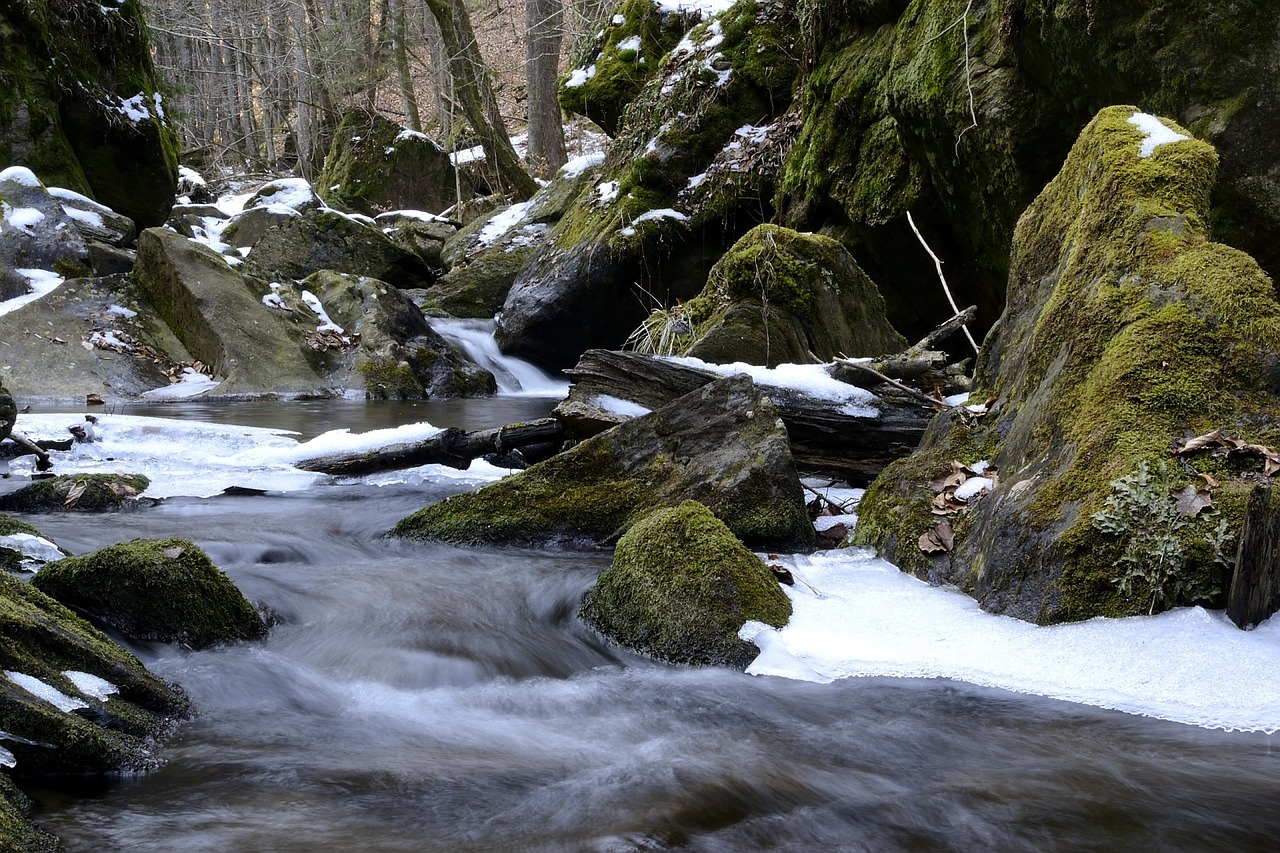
(453, 447)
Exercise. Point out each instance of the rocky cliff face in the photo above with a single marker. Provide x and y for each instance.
(80, 105)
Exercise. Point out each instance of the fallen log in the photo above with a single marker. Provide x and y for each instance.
(822, 438)
(452, 446)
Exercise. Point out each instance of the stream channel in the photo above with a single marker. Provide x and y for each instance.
(421, 697)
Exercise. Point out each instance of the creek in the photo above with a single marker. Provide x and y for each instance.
(429, 698)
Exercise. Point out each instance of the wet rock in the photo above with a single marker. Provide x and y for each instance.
(680, 588)
(79, 492)
(164, 590)
(1126, 330)
(35, 233)
(721, 445)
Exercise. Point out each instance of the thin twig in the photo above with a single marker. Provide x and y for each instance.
(937, 263)
(830, 502)
(880, 377)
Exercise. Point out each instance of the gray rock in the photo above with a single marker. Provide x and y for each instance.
(35, 233)
(246, 228)
(721, 445)
(96, 222)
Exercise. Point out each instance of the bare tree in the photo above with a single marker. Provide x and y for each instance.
(544, 33)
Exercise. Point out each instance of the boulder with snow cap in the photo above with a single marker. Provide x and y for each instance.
(1132, 385)
(374, 165)
(36, 234)
(96, 222)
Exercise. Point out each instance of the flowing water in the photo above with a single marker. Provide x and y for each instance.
(427, 698)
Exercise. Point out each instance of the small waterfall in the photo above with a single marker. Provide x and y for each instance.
(515, 377)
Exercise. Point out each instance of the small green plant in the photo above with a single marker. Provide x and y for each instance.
(1142, 510)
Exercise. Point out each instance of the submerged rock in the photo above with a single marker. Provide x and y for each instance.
(681, 587)
(78, 492)
(721, 445)
(23, 548)
(776, 297)
(1126, 330)
(164, 590)
(71, 700)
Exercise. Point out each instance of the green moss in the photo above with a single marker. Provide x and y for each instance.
(681, 587)
(388, 379)
(166, 590)
(98, 493)
(17, 835)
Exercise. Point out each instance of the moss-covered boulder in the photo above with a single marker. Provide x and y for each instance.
(692, 169)
(422, 234)
(776, 297)
(721, 445)
(8, 412)
(681, 587)
(1126, 330)
(486, 255)
(324, 239)
(71, 700)
(614, 63)
(80, 105)
(220, 318)
(398, 355)
(374, 165)
(17, 834)
(960, 113)
(76, 492)
(23, 548)
(165, 590)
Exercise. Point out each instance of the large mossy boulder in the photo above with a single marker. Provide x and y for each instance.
(960, 113)
(80, 104)
(374, 165)
(220, 319)
(722, 445)
(777, 297)
(71, 700)
(78, 492)
(324, 239)
(681, 587)
(1126, 331)
(163, 590)
(692, 169)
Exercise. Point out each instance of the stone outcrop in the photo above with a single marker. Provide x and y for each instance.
(1126, 331)
(35, 233)
(162, 590)
(680, 588)
(776, 297)
(80, 105)
(374, 165)
(721, 445)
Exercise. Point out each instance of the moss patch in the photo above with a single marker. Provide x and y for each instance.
(681, 587)
(166, 590)
(78, 492)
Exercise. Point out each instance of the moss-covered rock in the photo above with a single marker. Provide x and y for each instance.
(80, 106)
(681, 587)
(23, 548)
(1126, 330)
(960, 113)
(775, 297)
(721, 445)
(324, 239)
(8, 412)
(165, 590)
(613, 65)
(399, 356)
(106, 721)
(17, 834)
(374, 165)
(77, 492)
(686, 176)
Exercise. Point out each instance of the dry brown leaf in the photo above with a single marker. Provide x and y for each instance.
(1192, 500)
(1208, 481)
(122, 490)
(938, 539)
(1200, 441)
(74, 493)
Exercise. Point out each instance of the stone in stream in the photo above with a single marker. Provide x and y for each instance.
(79, 492)
(164, 590)
(722, 445)
(681, 587)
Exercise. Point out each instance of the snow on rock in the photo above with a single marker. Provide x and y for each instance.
(91, 685)
(810, 380)
(47, 692)
(1155, 132)
(34, 549)
(632, 44)
(579, 76)
(23, 218)
(582, 163)
(499, 225)
(324, 324)
(192, 383)
(40, 282)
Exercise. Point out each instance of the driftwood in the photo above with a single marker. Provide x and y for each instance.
(453, 447)
(920, 364)
(1255, 586)
(821, 438)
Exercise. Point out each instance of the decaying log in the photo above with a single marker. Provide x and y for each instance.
(920, 363)
(29, 446)
(1255, 586)
(453, 447)
(821, 438)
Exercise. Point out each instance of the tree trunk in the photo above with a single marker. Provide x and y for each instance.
(542, 66)
(1255, 587)
(475, 96)
(400, 52)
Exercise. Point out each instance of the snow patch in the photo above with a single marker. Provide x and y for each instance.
(40, 282)
(91, 685)
(34, 549)
(582, 163)
(579, 76)
(47, 692)
(20, 175)
(499, 225)
(1155, 133)
(191, 383)
(811, 380)
(619, 406)
(632, 44)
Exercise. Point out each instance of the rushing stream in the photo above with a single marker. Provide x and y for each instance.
(429, 698)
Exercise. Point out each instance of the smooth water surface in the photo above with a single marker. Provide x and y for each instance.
(427, 698)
